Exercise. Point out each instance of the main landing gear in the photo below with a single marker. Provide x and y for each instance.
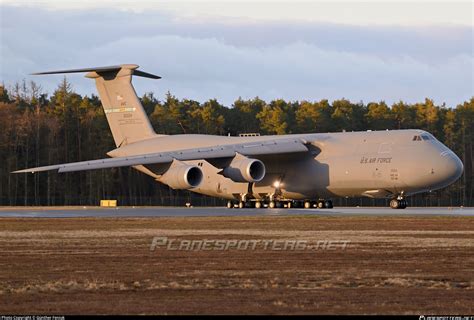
(325, 204)
(307, 204)
(320, 204)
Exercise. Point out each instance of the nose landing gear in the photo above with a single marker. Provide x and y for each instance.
(398, 203)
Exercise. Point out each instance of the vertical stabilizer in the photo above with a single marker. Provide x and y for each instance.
(125, 114)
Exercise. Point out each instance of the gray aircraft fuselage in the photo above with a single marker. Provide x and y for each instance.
(374, 164)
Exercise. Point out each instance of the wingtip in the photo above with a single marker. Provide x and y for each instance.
(29, 170)
(22, 171)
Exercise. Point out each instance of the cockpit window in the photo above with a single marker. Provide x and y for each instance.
(424, 137)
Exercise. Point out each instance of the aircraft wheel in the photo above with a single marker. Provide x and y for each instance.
(398, 204)
(241, 204)
(328, 204)
(321, 204)
(307, 204)
(288, 205)
(394, 204)
(258, 204)
(272, 204)
(230, 204)
(404, 204)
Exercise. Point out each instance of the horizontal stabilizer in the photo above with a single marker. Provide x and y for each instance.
(100, 70)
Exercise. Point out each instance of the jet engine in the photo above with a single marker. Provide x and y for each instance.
(182, 176)
(243, 169)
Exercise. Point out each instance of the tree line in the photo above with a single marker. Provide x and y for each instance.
(40, 129)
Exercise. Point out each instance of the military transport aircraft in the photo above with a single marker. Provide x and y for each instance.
(301, 170)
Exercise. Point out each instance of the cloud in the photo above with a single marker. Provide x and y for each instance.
(351, 12)
(227, 59)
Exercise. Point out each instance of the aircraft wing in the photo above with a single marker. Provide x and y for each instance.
(268, 147)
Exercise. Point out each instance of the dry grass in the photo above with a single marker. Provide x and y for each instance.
(104, 265)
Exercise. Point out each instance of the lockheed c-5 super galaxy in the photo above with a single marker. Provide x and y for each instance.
(276, 171)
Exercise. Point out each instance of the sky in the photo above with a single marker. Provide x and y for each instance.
(308, 50)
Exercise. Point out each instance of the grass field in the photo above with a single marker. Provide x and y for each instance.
(413, 265)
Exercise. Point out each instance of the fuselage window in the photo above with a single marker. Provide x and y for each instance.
(425, 137)
(416, 138)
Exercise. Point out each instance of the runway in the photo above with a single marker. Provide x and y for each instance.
(77, 212)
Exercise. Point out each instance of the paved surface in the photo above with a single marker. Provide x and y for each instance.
(74, 212)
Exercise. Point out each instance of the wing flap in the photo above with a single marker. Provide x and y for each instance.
(272, 147)
(225, 151)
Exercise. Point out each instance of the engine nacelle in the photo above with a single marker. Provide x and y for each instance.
(243, 169)
(182, 176)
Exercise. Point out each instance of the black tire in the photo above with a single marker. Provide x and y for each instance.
(404, 204)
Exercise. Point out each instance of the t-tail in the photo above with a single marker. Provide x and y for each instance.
(125, 114)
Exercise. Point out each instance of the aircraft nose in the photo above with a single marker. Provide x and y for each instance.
(450, 168)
